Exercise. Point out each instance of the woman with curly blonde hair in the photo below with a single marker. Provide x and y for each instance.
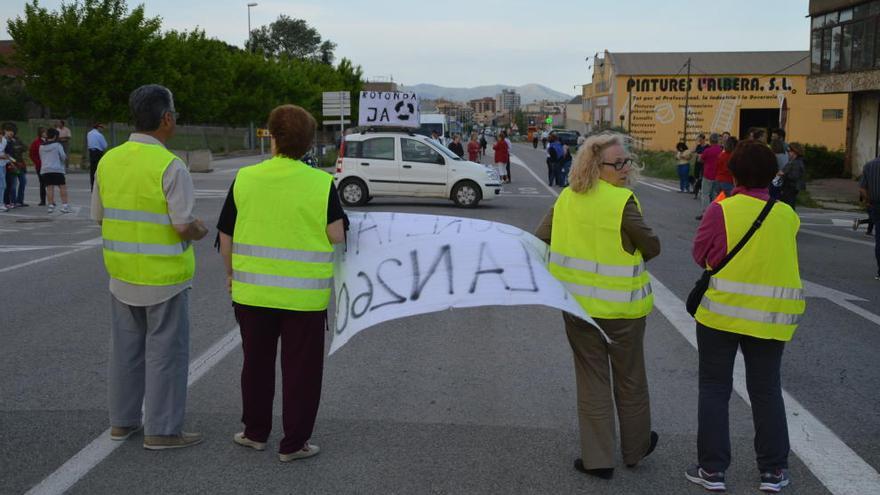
(598, 247)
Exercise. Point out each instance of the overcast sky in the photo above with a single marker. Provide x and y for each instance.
(472, 43)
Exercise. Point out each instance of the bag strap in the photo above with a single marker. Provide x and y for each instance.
(742, 242)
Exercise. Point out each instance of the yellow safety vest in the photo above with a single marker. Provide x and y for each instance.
(140, 244)
(759, 293)
(281, 257)
(587, 255)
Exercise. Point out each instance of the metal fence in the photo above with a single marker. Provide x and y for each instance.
(187, 137)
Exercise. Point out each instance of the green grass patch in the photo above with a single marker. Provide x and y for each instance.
(660, 164)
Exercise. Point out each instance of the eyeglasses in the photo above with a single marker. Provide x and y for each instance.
(621, 164)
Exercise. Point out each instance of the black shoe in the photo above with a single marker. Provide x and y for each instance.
(774, 481)
(42, 204)
(699, 217)
(654, 438)
(604, 473)
(714, 482)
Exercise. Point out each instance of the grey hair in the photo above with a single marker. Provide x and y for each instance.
(714, 137)
(148, 105)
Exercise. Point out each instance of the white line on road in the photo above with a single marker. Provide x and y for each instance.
(516, 161)
(86, 459)
(653, 185)
(80, 246)
(836, 465)
(835, 237)
(661, 185)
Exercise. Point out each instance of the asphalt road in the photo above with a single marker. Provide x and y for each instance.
(468, 401)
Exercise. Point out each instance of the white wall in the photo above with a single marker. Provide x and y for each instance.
(864, 131)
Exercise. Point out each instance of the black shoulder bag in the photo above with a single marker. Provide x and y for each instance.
(696, 295)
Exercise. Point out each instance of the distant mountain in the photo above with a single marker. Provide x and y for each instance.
(528, 92)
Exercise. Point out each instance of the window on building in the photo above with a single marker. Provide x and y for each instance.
(846, 40)
(832, 114)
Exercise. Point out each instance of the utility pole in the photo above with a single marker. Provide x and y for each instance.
(687, 92)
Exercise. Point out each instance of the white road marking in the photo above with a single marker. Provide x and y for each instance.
(835, 237)
(516, 161)
(11, 248)
(80, 246)
(841, 299)
(653, 185)
(836, 465)
(92, 454)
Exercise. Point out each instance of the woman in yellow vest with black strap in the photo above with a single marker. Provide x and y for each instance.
(754, 304)
(277, 231)
(598, 247)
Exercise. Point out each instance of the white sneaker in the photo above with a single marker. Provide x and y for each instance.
(51, 208)
(3, 208)
(65, 209)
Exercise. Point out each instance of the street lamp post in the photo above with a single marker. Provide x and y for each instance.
(252, 4)
(251, 49)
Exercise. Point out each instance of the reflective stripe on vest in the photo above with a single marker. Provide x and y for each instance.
(281, 257)
(141, 248)
(140, 243)
(756, 294)
(609, 295)
(281, 281)
(751, 314)
(136, 216)
(594, 267)
(282, 254)
(756, 290)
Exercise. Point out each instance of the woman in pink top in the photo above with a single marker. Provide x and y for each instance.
(502, 155)
(473, 148)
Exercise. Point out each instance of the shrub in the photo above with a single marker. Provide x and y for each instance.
(659, 164)
(822, 163)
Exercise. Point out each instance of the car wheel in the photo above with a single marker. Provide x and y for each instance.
(353, 192)
(466, 194)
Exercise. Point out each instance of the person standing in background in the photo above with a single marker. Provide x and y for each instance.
(52, 158)
(683, 158)
(793, 175)
(483, 145)
(709, 157)
(456, 147)
(509, 152)
(5, 160)
(869, 187)
(97, 146)
(34, 153)
(473, 148)
(698, 164)
(723, 176)
(502, 155)
(64, 136)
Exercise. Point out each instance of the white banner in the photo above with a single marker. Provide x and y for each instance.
(388, 109)
(398, 264)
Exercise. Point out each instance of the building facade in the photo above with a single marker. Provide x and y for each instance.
(649, 94)
(845, 60)
(508, 101)
(483, 105)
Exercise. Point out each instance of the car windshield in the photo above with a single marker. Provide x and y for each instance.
(443, 149)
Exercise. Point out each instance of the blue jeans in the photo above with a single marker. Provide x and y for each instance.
(9, 190)
(727, 187)
(562, 173)
(684, 172)
(22, 182)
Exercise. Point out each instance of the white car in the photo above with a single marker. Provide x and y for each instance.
(407, 164)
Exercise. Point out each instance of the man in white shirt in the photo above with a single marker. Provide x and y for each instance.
(97, 146)
(64, 136)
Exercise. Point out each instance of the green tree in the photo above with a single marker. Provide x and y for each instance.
(86, 58)
(292, 38)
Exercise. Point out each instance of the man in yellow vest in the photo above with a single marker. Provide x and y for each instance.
(143, 199)
(599, 243)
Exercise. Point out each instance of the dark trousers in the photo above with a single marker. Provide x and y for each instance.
(42, 189)
(302, 367)
(763, 358)
(508, 170)
(94, 158)
(789, 197)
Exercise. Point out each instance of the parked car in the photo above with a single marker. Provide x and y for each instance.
(407, 164)
(567, 137)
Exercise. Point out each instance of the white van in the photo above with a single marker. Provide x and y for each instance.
(407, 164)
(430, 122)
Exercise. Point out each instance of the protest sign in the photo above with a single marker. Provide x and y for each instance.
(397, 264)
(388, 109)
